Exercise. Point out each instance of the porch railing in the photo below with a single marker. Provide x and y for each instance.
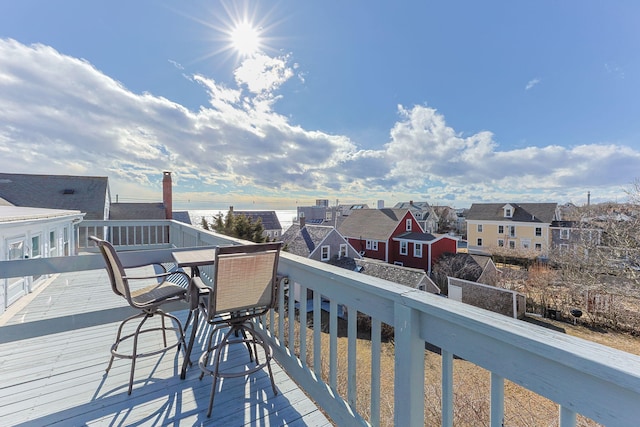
(582, 377)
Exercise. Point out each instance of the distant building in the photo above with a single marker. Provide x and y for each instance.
(415, 278)
(396, 237)
(319, 242)
(88, 194)
(323, 214)
(270, 222)
(516, 227)
(27, 232)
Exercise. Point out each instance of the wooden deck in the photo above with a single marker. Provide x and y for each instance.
(54, 348)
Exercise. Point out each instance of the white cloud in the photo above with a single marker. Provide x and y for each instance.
(263, 74)
(63, 116)
(532, 83)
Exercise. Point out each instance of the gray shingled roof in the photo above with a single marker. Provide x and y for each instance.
(124, 211)
(412, 277)
(84, 193)
(270, 220)
(182, 216)
(415, 236)
(523, 212)
(375, 224)
(303, 241)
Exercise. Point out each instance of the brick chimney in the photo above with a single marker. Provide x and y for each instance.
(167, 197)
(302, 221)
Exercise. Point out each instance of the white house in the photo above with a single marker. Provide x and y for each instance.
(33, 233)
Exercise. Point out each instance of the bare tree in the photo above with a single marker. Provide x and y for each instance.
(598, 263)
(461, 266)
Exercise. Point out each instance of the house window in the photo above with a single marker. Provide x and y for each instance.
(564, 247)
(564, 234)
(417, 250)
(539, 247)
(479, 242)
(403, 248)
(65, 241)
(343, 251)
(501, 229)
(325, 253)
(501, 243)
(52, 244)
(538, 231)
(526, 244)
(507, 213)
(512, 231)
(512, 244)
(327, 216)
(479, 228)
(35, 247)
(408, 225)
(372, 245)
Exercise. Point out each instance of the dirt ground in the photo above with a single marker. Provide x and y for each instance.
(618, 340)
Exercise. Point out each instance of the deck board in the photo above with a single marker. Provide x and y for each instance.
(53, 355)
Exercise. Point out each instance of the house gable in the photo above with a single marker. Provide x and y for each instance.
(309, 240)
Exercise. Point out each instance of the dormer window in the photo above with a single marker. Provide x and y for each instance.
(508, 211)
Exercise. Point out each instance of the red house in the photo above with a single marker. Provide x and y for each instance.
(395, 236)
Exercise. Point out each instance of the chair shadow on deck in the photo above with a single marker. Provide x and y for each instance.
(163, 401)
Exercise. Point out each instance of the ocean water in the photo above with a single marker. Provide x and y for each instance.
(285, 217)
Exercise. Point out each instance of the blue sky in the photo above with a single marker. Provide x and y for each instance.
(446, 102)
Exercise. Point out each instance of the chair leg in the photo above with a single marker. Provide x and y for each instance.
(164, 329)
(114, 347)
(187, 356)
(180, 329)
(139, 329)
(257, 338)
(255, 347)
(134, 352)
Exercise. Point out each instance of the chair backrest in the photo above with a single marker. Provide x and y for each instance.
(244, 278)
(114, 267)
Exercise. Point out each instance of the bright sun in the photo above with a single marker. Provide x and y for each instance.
(245, 39)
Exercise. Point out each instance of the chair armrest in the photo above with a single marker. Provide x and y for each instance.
(161, 265)
(164, 277)
(197, 288)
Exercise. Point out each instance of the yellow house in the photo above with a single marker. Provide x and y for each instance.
(505, 228)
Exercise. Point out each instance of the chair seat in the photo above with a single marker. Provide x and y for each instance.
(152, 294)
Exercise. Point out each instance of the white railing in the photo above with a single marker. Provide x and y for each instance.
(582, 377)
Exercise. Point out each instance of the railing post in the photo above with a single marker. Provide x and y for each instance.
(567, 417)
(409, 368)
(447, 388)
(497, 400)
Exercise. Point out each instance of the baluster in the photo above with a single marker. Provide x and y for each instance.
(317, 334)
(376, 348)
(333, 344)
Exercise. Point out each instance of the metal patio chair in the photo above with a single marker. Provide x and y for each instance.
(148, 299)
(244, 288)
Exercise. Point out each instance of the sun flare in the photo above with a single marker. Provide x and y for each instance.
(245, 39)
